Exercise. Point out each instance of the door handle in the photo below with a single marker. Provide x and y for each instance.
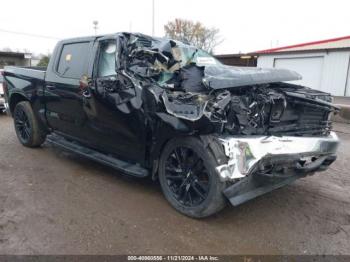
(51, 87)
(86, 94)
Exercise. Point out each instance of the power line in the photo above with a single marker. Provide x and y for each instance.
(152, 17)
(28, 34)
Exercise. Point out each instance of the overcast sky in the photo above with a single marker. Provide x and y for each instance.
(245, 26)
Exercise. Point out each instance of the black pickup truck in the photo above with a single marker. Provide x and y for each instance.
(157, 107)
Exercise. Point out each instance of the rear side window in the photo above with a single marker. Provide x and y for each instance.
(73, 60)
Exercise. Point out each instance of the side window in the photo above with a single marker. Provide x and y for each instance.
(73, 60)
(106, 61)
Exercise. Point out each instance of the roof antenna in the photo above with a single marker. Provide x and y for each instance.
(95, 23)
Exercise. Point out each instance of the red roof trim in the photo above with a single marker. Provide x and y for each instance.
(300, 45)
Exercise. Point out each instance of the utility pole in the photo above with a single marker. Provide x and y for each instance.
(95, 23)
(152, 17)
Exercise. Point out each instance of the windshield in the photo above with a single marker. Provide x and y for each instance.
(163, 60)
(185, 55)
(190, 54)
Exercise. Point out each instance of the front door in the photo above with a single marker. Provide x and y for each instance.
(115, 119)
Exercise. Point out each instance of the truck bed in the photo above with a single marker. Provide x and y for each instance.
(32, 72)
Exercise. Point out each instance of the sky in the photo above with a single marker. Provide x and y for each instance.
(245, 26)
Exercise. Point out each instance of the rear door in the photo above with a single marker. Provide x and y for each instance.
(64, 102)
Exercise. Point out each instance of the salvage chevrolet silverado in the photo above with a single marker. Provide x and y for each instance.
(160, 108)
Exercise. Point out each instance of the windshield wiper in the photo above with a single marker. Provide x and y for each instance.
(192, 56)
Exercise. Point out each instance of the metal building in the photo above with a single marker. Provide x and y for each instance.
(14, 58)
(237, 59)
(324, 65)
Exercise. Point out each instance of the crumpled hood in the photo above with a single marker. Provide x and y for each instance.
(222, 76)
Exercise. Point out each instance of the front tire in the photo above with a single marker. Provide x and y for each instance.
(188, 178)
(27, 127)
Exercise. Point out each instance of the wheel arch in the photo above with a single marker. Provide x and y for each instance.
(15, 98)
(155, 156)
(158, 148)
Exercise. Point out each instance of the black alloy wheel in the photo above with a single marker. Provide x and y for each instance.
(187, 177)
(28, 129)
(22, 125)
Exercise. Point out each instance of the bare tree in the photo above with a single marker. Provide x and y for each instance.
(44, 60)
(194, 33)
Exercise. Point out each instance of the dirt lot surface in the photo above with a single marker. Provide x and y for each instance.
(53, 202)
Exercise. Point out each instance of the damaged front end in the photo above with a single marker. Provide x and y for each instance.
(191, 85)
(265, 128)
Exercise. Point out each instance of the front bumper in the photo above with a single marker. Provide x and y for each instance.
(266, 163)
(247, 155)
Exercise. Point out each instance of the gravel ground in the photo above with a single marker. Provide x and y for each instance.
(53, 202)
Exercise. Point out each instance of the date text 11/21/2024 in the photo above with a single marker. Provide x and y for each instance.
(174, 258)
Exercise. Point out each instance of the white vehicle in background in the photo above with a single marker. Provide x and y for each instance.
(2, 98)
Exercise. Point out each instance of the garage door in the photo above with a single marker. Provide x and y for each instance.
(347, 88)
(309, 67)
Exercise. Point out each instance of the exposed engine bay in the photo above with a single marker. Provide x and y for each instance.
(253, 110)
(194, 93)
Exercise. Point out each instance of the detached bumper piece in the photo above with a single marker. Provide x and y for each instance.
(263, 164)
(257, 184)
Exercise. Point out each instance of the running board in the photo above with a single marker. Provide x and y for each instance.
(125, 167)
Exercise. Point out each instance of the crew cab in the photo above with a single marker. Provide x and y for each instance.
(157, 107)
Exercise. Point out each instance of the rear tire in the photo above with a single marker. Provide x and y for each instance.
(28, 129)
(188, 178)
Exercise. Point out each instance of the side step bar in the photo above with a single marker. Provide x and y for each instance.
(125, 167)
